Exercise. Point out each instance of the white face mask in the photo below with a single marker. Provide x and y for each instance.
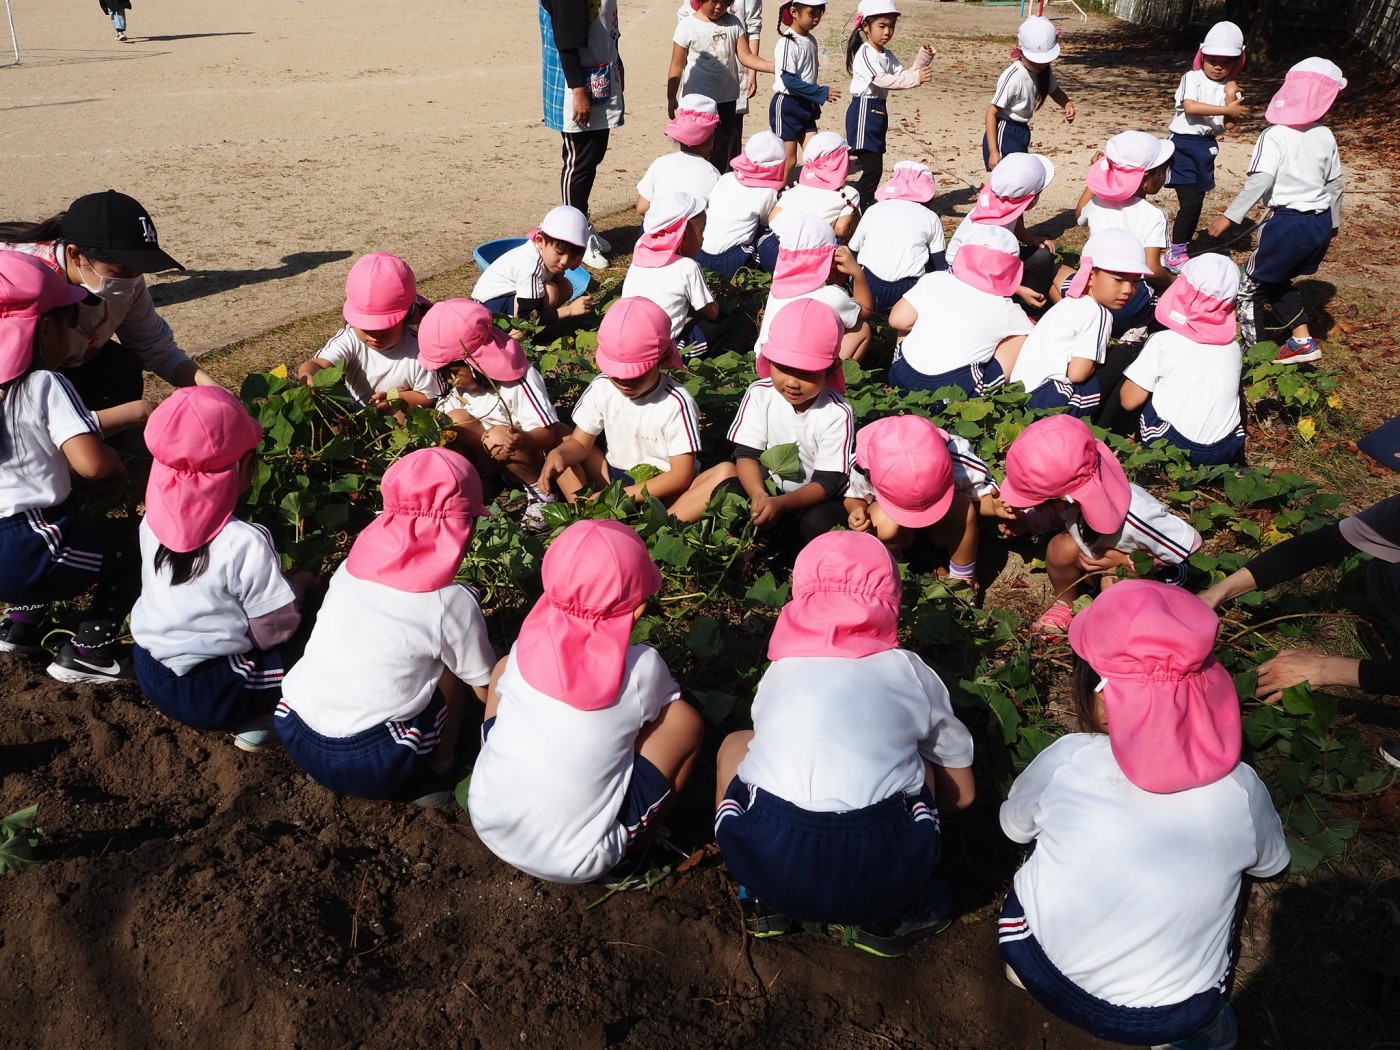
(111, 289)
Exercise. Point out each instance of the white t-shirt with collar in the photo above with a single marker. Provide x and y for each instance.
(1195, 86)
(1132, 894)
(817, 749)
(958, 324)
(895, 239)
(1071, 328)
(824, 433)
(735, 214)
(519, 273)
(46, 412)
(1148, 526)
(376, 654)
(1015, 96)
(1194, 387)
(1302, 162)
(523, 403)
(971, 475)
(369, 372)
(651, 429)
(834, 296)
(679, 288)
(679, 172)
(827, 205)
(797, 55)
(548, 787)
(1138, 215)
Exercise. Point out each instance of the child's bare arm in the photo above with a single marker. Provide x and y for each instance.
(123, 417)
(903, 316)
(309, 368)
(953, 789)
(673, 78)
(860, 288)
(1131, 396)
(1084, 198)
(1062, 100)
(669, 485)
(990, 124)
(710, 311)
(749, 59)
(568, 453)
(1079, 369)
(91, 458)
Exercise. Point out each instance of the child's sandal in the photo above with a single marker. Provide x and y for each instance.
(1054, 621)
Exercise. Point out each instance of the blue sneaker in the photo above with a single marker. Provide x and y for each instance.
(1220, 1034)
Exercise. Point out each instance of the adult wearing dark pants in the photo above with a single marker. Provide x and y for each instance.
(582, 95)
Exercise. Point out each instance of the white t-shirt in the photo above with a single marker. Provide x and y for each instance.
(971, 475)
(816, 748)
(548, 787)
(376, 654)
(750, 16)
(1149, 526)
(1071, 328)
(369, 372)
(958, 324)
(1015, 95)
(519, 272)
(1138, 215)
(678, 288)
(867, 65)
(1302, 162)
(679, 172)
(711, 61)
(735, 214)
(651, 429)
(824, 433)
(895, 239)
(836, 297)
(1195, 86)
(1194, 387)
(47, 411)
(1132, 894)
(960, 235)
(797, 55)
(523, 403)
(208, 616)
(827, 205)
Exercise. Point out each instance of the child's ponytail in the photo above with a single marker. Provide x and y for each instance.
(853, 47)
(785, 18)
(1083, 684)
(184, 566)
(1042, 86)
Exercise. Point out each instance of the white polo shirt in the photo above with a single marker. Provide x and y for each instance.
(651, 429)
(965, 227)
(1138, 215)
(1148, 526)
(971, 475)
(1071, 328)
(735, 214)
(369, 372)
(1302, 162)
(824, 433)
(895, 239)
(47, 411)
(519, 273)
(797, 55)
(1015, 96)
(834, 296)
(679, 288)
(1195, 86)
(958, 324)
(679, 172)
(869, 64)
(827, 205)
(1194, 387)
(523, 403)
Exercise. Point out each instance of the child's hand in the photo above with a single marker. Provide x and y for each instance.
(993, 506)
(1106, 562)
(751, 89)
(578, 308)
(1219, 226)
(928, 49)
(671, 106)
(833, 95)
(845, 261)
(554, 465)
(500, 442)
(858, 520)
(925, 73)
(1030, 297)
(1016, 525)
(1069, 112)
(764, 510)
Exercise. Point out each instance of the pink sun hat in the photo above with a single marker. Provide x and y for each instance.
(989, 260)
(1200, 304)
(911, 181)
(1308, 91)
(805, 334)
(910, 468)
(1059, 458)
(806, 247)
(28, 290)
(573, 644)
(197, 437)
(1173, 713)
(695, 120)
(760, 165)
(1012, 188)
(432, 496)
(461, 330)
(663, 228)
(1126, 160)
(634, 336)
(1113, 249)
(826, 159)
(845, 600)
(379, 292)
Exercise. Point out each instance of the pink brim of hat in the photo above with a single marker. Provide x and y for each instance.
(793, 358)
(800, 270)
(845, 600)
(756, 176)
(998, 211)
(913, 517)
(827, 172)
(186, 509)
(1112, 183)
(988, 270)
(908, 185)
(617, 368)
(500, 358)
(1304, 98)
(690, 128)
(1187, 310)
(371, 322)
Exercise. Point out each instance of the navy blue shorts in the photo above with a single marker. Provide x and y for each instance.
(1081, 399)
(791, 118)
(973, 380)
(1012, 137)
(378, 762)
(852, 867)
(693, 341)
(502, 304)
(728, 263)
(1193, 163)
(48, 555)
(887, 293)
(1291, 244)
(619, 475)
(767, 252)
(1227, 450)
(867, 121)
(224, 692)
(1137, 1025)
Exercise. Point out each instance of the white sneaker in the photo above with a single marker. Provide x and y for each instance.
(121, 36)
(595, 256)
(604, 245)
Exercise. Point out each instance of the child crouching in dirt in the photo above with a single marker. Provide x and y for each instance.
(534, 277)
(375, 706)
(214, 606)
(503, 413)
(827, 810)
(586, 739)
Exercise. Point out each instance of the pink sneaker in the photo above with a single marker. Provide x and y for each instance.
(1176, 258)
(1054, 621)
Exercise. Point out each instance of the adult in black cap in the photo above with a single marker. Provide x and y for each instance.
(105, 242)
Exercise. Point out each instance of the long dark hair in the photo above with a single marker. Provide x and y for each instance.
(184, 566)
(1083, 683)
(44, 232)
(853, 48)
(1042, 85)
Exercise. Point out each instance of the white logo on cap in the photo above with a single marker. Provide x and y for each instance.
(148, 230)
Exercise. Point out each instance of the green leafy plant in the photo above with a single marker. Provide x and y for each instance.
(18, 837)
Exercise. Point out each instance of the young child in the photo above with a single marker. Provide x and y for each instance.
(900, 238)
(1187, 379)
(378, 346)
(1147, 815)
(586, 740)
(214, 605)
(534, 277)
(688, 170)
(48, 552)
(707, 50)
(797, 97)
(1295, 169)
(828, 809)
(505, 418)
(821, 188)
(796, 400)
(1021, 90)
(875, 72)
(1057, 467)
(1059, 360)
(909, 477)
(809, 265)
(664, 269)
(960, 327)
(375, 705)
(1011, 190)
(739, 206)
(649, 418)
(1208, 102)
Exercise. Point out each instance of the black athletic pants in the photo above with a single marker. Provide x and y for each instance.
(583, 151)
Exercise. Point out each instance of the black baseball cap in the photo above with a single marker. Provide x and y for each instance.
(118, 226)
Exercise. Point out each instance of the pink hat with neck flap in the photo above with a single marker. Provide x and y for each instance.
(989, 260)
(28, 290)
(806, 247)
(1307, 94)
(1200, 304)
(760, 165)
(911, 181)
(1059, 458)
(1127, 158)
(1012, 188)
(826, 159)
(845, 600)
(462, 330)
(695, 120)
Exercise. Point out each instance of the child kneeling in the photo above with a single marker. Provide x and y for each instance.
(827, 810)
